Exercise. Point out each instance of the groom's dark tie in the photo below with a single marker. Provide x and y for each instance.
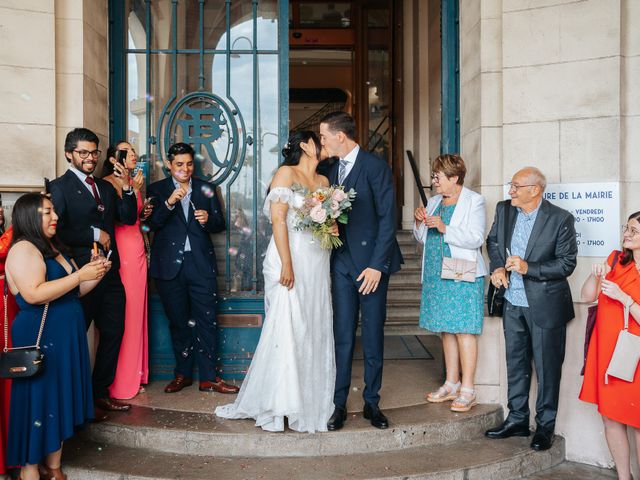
(342, 170)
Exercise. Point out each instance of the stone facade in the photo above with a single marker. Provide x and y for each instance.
(548, 83)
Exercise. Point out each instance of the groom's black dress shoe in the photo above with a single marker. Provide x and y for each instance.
(336, 422)
(508, 429)
(542, 439)
(373, 413)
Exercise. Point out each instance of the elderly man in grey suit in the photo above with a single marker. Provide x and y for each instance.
(533, 263)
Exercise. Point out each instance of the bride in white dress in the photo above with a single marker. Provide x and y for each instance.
(293, 370)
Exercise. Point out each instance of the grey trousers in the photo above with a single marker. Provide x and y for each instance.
(525, 341)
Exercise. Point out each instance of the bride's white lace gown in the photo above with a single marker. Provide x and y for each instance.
(293, 370)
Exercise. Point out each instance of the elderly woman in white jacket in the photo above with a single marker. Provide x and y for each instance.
(453, 225)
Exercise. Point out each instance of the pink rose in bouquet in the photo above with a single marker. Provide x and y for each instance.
(318, 214)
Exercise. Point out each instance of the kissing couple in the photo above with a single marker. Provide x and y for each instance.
(301, 369)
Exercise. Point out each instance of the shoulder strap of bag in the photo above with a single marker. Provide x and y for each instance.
(6, 322)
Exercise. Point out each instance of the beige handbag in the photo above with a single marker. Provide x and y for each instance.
(456, 269)
(626, 355)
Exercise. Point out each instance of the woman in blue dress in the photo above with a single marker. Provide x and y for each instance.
(453, 225)
(46, 408)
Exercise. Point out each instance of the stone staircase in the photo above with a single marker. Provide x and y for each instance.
(423, 442)
(177, 437)
(403, 299)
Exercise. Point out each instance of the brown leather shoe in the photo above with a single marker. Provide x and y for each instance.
(178, 384)
(218, 386)
(111, 405)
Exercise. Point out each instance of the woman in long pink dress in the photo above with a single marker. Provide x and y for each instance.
(133, 369)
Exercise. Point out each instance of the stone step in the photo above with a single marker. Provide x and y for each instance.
(405, 276)
(404, 312)
(572, 470)
(476, 459)
(191, 433)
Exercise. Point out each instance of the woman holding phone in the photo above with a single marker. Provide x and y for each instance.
(133, 370)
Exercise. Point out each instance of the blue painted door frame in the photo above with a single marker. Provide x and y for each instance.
(240, 314)
(450, 76)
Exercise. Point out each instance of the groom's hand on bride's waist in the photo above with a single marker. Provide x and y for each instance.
(370, 280)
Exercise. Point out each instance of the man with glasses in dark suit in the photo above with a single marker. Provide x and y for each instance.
(87, 209)
(532, 263)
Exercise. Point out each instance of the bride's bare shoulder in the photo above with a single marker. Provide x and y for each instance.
(284, 177)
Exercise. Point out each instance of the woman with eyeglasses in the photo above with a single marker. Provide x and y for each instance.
(453, 225)
(132, 372)
(616, 286)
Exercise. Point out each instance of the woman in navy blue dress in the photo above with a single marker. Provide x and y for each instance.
(46, 409)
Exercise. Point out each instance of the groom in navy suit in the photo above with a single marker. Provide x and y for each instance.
(360, 269)
(183, 263)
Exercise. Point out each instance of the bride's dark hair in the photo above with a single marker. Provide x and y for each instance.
(292, 151)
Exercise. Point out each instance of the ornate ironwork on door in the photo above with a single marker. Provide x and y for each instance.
(211, 73)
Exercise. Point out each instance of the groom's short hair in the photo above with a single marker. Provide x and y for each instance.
(340, 122)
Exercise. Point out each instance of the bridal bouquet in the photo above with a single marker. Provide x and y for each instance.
(321, 209)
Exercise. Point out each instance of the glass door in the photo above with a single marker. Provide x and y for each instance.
(208, 73)
(213, 74)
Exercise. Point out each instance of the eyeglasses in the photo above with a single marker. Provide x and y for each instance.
(632, 231)
(515, 186)
(437, 177)
(84, 154)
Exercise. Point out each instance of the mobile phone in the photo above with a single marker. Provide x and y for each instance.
(122, 156)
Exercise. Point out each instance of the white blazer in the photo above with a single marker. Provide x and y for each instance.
(466, 231)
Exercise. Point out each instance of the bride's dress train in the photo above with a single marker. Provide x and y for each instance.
(292, 373)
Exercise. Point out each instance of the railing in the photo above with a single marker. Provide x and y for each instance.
(416, 177)
(313, 122)
(380, 136)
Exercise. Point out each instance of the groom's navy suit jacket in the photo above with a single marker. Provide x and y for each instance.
(369, 240)
(370, 234)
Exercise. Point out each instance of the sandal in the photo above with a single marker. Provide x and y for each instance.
(448, 391)
(142, 390)
(465, 401)
(48, 473)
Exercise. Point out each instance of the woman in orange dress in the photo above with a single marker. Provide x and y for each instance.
(12, 308)
(618, 401)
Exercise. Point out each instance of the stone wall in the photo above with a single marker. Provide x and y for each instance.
(27, 93)
(54, 77)
(550, 83)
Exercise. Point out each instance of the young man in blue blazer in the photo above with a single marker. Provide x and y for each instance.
(183, 264)
(361, 267)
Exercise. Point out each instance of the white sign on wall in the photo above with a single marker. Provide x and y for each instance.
(596, 208)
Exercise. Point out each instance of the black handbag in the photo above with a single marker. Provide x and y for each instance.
(21, 362)
(495, 296)
(495, 300)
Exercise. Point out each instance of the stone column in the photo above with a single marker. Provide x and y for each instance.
(27, 94)
(82, 71)
(551, 83)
